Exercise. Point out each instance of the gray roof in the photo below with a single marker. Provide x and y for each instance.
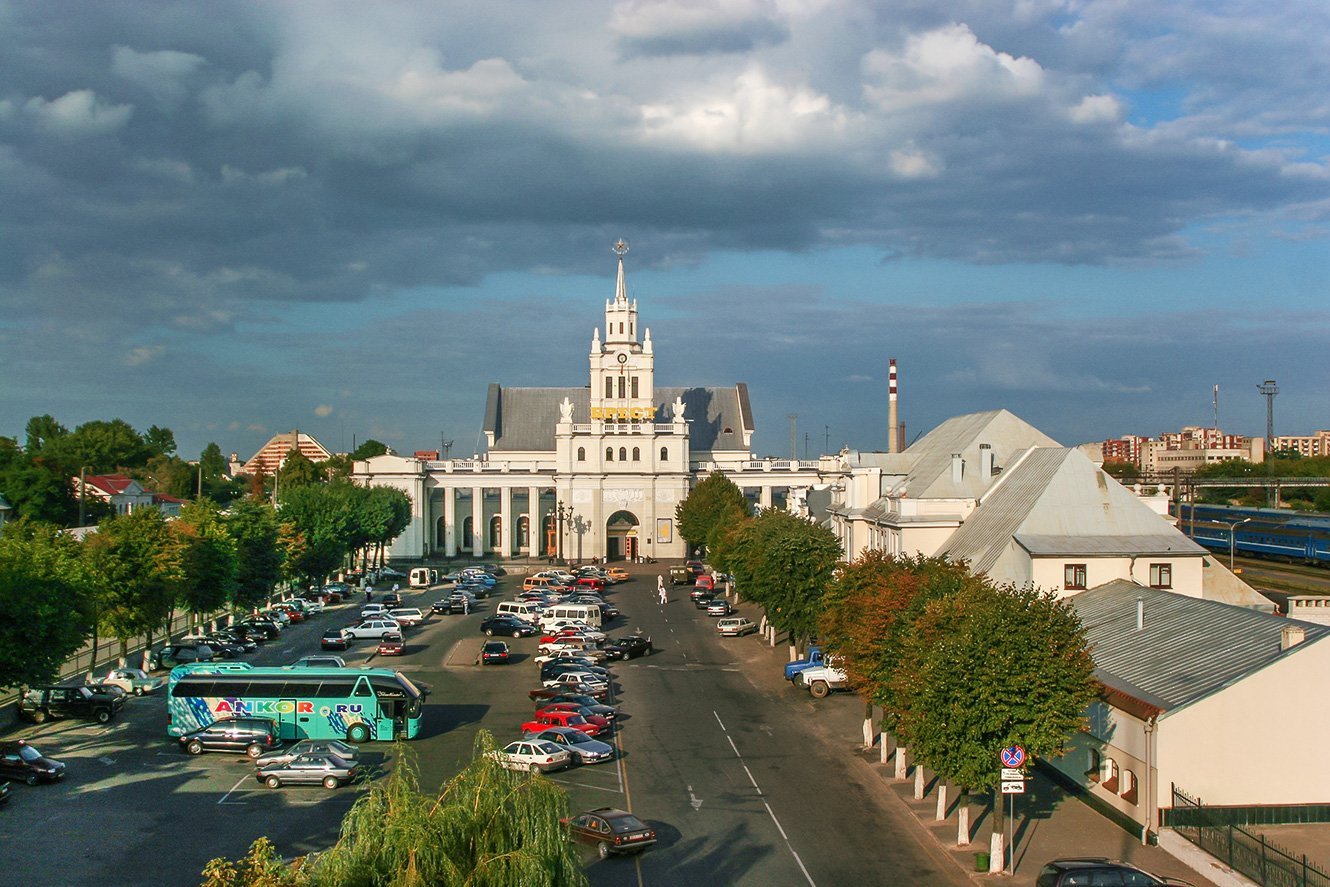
(1054, 500)
(523, 419)
(1189, 647)
(930, 472)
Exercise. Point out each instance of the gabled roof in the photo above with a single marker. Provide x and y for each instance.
(524, 419)
(930, 474)
(113, 484)
(1056, 501)
(1189, 647)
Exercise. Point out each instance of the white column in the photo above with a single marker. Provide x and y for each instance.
(506, 520)
(765, 497)
(477, 521)
(533, 520)
(450, 521)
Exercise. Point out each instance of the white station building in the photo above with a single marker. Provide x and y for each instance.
(590, 471)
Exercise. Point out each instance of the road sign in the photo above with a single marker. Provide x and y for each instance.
(1013, 788)
(1010, 773)
(1012, 756)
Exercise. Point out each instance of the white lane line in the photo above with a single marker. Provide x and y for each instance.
(599, 788)
(735, 747)
(752, 780)
(719, 721)
(233, 788)
(775, 820)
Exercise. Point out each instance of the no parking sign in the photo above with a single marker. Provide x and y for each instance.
(1012, 756)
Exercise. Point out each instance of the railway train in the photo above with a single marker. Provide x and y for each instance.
(1294, 536)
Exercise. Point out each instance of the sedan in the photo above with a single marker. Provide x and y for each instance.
(1098, 870)
(579, 654)
(327, 770)
(132, 680)
(736, 627)
(312, 607)
(596, 686)
(335, 639)
(550, 669)
(390, 645)
(570, 688)
(608, 712)
(584, 749)
(598, 721)
(509, 625)
(533, 755)
(348, 753)
(494, 653)
(611, 831)
(235, 637)
(19, 760)
(702, 601)
(719, 607)
(560, 718)
(628, 647)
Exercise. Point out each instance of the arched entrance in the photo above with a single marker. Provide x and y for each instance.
(621, 541)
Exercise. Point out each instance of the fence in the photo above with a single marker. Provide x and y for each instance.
(1266, 863)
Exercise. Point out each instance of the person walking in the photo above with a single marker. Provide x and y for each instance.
(660, 588)
(466, 606)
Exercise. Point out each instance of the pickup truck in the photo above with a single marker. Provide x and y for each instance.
(822, 679)
(40, 703)
(792, 669)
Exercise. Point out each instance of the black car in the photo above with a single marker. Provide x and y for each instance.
(610, 831)
(392, 599)
(1098, 870)
(335, 639)
(560, 666)
(494, 652)
(4, 793)
(221, 647)
(477, 589)
(627, 647)
(19, 760)
(444, 607)
(701, 591)
(180, 654)
(251, 633)
(40, 703)
(703, 600)
(253, 736)
(269, 628)
(509, 625)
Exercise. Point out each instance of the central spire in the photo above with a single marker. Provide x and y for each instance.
(620, 286)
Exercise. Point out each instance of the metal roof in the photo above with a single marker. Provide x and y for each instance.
(1189, 647)
(1108, 545)
(1005, 433)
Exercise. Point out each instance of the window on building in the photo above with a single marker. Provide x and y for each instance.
(581, 454)
(609, 386)
(621, 328)
(664, 454)
(637, 455)
(623, 454)
(1110, 775)
(496, 531)
(1092, 771)
(622, 383)
(466, 531)
(634, 386)
(1161, 575)
(1073, 576)
(609, 454)
(1128, 792)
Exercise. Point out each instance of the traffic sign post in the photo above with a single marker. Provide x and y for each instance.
(1013, 784)
(1013, 788)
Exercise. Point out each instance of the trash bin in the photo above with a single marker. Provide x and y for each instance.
(981, 862)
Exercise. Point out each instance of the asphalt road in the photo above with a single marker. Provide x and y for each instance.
(746, 780)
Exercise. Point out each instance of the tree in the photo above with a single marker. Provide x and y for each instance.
(100, 445)
(488, 827)
(325, 518)
(207, 557)
(368, 450)
(211, 463)
(35, 491)
(43, 577)
(171, 475)
(136, 570)
(259, 552)
(159, 441)
(715, 498)
(41, 431)
(986, 668)
(296, 471)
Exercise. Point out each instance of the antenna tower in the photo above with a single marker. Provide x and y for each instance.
(1268, 390)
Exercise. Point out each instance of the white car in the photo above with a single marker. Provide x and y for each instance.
(735, 626)
(408, 616)
(310, 607)
(597, 657)
(372, 611)
(132, 680)
(584, 630)
(532, 755)
(590, 678)
(374, 628)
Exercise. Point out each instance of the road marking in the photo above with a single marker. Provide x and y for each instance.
(599, 788)
(752, 780)
(694, 799)
(233, 788)
(722, 723)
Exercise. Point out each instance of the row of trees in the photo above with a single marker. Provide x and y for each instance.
(1280, 463)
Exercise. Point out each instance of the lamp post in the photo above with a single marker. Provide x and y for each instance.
(565, 513)
(1232, 539)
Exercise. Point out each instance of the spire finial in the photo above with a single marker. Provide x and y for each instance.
(620, 287)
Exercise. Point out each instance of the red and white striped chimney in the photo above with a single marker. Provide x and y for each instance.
(893, 426)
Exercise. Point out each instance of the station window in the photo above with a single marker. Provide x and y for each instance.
(634, 386)
(1073, 576)
(1092, 772)
(1128, 792)
(581, 454)
(1110, 780)
(622, 387)
(1161, 575)
(664, 454)
(637, 455)
(609, 454)
(623, 454)
(609, 386)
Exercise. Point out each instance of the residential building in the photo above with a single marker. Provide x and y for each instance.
(1307, 446)
(6, 511)
(120, 491)
(1186, 450)
(271, 455)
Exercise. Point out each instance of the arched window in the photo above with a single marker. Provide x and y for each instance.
(664, 454)
(637, 455)
(1110, 775)
(581, 454)
(441, 534)
(623, 454)
(466, 531)
(609, 454)
(1092, 771)
(524, 531)
(1128, 792)
(496, 531)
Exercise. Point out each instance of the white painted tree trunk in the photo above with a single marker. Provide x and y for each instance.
(918, 783)
(763, 626)
(882, 750)
(996, 852)
(941, 812)
(868, 733)
(963, 823)
(794, 652)
(902, 762)
(772, 630)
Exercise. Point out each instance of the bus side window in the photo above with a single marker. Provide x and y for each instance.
(363, 688)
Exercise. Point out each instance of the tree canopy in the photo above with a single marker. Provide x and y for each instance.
(784, 563)
(713, 503)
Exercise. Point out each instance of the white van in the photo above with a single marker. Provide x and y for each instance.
(587, 613)
(520, 609)
(419, 578)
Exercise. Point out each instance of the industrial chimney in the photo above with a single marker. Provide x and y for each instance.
(893, 421)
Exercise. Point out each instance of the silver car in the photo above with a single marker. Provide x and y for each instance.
(582, 747)
(329, 771)
(132, 680)
(336, 747)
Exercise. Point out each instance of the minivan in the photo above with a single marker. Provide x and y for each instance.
(537, 583)
(588, 613)
(419, 577)
(520, 609)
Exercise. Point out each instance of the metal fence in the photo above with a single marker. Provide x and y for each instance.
(1266, 863)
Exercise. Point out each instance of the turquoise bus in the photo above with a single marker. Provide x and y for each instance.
(353, 704)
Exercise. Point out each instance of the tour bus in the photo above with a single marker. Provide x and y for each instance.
(352, 704)
(420, 577)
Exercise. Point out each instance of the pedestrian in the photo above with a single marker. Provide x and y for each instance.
(466, 606)
(397, 586)
(369, 595)
(660, 587)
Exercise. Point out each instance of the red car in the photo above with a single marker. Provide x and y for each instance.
(601, 723)
(295, 614)
(390, 645)
(704, 581)
(546, 719)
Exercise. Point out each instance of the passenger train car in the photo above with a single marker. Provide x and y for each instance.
(1297, 536)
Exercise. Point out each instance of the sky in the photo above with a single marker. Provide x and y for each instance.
(234, 219)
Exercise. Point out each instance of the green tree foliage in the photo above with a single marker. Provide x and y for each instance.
(712, 502)
(989, 667)
(296, 471)
(260, 554)
(212, 463)
(488, 827)
(42, 431)
(207, 557)
(33, 488)
(1123, 471)
(325, 516)
(42, 577)
(368, 450)
(171, 475)
(785, 563)
(159, 441)
(137, 571)
(102, 446)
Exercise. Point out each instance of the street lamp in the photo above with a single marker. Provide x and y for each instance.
(565, 513)
(1232, 539)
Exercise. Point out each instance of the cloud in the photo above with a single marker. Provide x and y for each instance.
(164, 73)
(78, 114)
(323, 410)
(144, 354)
(688, 27)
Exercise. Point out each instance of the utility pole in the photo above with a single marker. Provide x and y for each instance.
(1216, 406)
(826, 440)
(1268, 390)
(83, 494)
(794, 436)
(805, 445)
(447, 446)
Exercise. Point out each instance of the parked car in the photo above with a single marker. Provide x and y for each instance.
(312, 606)
(560, 718)
(736, 626)
(40, 703)
(4, 793)
(327, 770)
(571, 688)
(292, 612)
(134, 681)
(253, 736)
(509, 625)
(374, 628)
(702, 599)
(335, 639)
(617, 574)
(248, 632)
(391, 645)
(696, 567)
(704, 583)
(494, 653)
(348, 753)
(408, 616)
(1098, 870)
(608, 712)
(529, 755)
(317, 661)
(719, 607)
(579, 678)
(551, 669)
(337, 591)
(584, 748)
(681, 576)
(392, 599)
(822, 679)
(628, 647)
(269, 628)
(611, 831)
(372, 611)
(221, 648)
(231, 636)
(19, 760)
(276, 614)
(600, 721)
(180, 654)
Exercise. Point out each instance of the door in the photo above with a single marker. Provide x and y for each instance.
(287, 728)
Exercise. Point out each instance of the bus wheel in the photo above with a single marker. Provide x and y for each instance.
(358, 733)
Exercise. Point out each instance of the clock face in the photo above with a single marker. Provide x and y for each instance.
(623, 358)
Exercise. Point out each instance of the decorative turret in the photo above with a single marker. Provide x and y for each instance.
(622, 368)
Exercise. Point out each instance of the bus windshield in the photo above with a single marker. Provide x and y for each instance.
(354, 704)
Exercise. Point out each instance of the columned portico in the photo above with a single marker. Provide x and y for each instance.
(534, 522)
(506, 522)
(477, 521)
(450, 522)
